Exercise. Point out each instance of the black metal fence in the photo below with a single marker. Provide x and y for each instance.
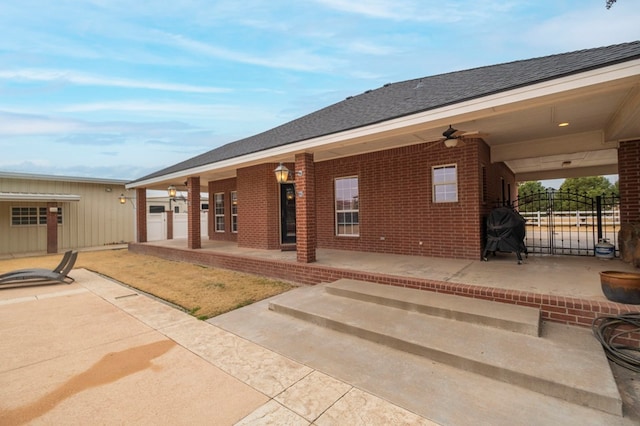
(560, 222)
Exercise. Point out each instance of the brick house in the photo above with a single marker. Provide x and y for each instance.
(376, 172)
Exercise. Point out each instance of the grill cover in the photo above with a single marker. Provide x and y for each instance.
(505, 232)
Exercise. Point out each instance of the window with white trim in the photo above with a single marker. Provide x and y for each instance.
(24, 216)
(219, 211)
(234, 211)
(445, 183)
(347, 207)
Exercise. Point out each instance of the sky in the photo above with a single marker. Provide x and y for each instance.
(118, 89)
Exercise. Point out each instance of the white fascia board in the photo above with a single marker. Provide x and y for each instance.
(467, 110)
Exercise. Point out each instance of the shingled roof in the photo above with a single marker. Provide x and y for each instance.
(413, 96)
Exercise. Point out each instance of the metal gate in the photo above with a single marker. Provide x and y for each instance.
(564, 223)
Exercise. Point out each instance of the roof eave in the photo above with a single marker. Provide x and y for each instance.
(462, 111)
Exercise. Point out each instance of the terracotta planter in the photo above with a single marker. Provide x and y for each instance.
(621, 287)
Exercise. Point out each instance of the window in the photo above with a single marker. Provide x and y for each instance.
(234, 211)
(21, 216)
(219, 211)
(445, 184)
(347, 207)
(156, 209)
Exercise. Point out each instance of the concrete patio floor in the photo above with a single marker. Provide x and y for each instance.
(96, 352)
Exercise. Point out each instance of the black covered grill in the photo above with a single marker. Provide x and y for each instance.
(505, 233)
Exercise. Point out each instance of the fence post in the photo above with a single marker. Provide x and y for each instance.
(599, 215)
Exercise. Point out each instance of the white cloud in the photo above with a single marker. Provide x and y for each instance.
(294, 59)
(84, 79)
(213, 113)
(435, 11)
(588, 27)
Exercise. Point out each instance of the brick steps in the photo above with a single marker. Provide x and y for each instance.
(448, 331)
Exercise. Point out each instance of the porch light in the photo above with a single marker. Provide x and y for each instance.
(290, 194)
(282, 173)
(451, 143)
(172, 191)
(123, 200)
(450, 138)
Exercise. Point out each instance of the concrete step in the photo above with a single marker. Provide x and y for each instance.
(520, 319)
(566, 367)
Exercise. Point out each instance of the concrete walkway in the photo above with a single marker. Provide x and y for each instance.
(96, 352)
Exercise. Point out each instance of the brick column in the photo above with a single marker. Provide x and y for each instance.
(141, 215)
(170, 225)
(305, 208)
(193, 217)
(52, 228)
(629, 180)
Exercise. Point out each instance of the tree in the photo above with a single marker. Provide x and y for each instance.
(589, 186)
(577, 191)
(610, 3)
(532, 197)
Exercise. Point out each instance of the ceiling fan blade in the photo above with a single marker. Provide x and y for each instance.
(476, 133)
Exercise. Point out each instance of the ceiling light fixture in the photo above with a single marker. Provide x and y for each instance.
(451, 139)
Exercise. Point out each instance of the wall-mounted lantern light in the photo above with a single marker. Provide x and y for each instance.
(172, 191)
(290, 194)
(283, 173)
(123, 200)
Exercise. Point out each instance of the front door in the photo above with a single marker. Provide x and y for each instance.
(288, 213)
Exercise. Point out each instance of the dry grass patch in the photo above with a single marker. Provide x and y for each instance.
(204, 292)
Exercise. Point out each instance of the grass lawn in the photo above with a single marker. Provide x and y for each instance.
(203, 291)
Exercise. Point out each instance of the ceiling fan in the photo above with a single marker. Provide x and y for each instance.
(451, 136)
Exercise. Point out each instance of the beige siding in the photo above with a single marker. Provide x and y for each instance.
(97, 219)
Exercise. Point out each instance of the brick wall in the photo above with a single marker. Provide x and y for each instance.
(259, 207)
(396, 208)
(397, 214)
(560, 309)
(194, 238)
(305, 208)
(52, 227)
(629, 181)
(141, 215)
(225, 186)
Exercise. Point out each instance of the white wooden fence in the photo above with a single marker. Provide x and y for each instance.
(157, 226)
(575, 218)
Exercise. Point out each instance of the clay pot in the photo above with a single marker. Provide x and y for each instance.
(621, 287)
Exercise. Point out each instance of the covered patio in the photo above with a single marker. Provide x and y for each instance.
(565, 288)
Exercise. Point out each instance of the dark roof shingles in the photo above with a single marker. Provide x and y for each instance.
(413, 96)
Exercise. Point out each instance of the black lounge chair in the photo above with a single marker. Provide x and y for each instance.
(41, 276)
(65, 259)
